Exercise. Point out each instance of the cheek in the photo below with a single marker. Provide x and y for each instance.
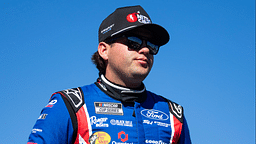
(151, 60)
(121, 52)
(118, 55)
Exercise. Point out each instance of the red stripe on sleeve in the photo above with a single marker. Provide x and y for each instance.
(83, 129)
(177, 128)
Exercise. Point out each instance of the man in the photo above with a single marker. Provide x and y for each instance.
(116, 109)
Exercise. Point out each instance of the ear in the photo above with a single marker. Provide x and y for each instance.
(103, 50)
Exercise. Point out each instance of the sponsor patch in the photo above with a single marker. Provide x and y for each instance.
(36, 130)
(99, 122)
(162, 124)
(108, 108)
(107, 29)
(157, 123)
(42, 116)
(136, 16)
(121, 122)
(99, 137)
(123, 138)
(155, 142)
(154, 114)
(51, 103)
(148, 122)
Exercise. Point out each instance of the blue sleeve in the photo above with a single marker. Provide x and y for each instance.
(54, 124)
(185, 136)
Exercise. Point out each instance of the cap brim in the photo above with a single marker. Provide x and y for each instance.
(160, 35)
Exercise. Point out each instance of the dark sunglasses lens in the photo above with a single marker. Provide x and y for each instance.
(152, 47)
(134, 42)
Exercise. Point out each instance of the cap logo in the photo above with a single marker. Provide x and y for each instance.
(107, 29)
(133, 17)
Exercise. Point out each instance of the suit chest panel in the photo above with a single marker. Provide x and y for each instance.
(116, 123)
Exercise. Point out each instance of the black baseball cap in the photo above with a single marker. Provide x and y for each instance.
(128, 18)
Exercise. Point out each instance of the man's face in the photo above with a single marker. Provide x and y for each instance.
(127, 64)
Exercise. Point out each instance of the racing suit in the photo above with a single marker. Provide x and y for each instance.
(107, 113)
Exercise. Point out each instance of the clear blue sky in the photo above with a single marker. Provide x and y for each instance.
(208, 66)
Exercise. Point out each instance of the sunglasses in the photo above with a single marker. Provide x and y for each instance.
(136, 43)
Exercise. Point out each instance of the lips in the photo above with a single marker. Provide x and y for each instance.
(143, 61)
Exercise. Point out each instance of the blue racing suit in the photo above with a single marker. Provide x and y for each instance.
(107, 113)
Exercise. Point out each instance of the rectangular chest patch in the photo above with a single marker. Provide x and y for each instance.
(108, 108)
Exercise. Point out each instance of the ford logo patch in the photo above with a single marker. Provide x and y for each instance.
(154, 114)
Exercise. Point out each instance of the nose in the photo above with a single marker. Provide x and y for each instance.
(144, 49)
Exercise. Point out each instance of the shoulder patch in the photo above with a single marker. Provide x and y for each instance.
(176, 110)
(74, 95)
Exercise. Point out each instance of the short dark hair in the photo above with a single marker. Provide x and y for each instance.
(99, 62)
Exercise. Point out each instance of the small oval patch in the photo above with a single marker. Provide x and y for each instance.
(154, 114)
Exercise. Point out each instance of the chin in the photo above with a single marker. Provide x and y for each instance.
(140, 73)
(140, 76)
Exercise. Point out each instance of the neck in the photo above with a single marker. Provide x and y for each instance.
(120, 87)
(121, 93)
(124, 81)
